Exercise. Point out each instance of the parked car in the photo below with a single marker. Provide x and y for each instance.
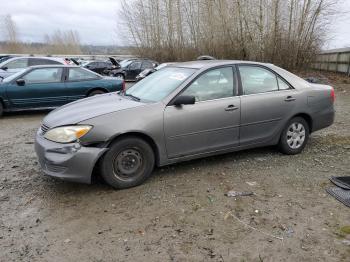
(131, 68)
(3, 58)
(16, 64)
(101, 67)
(42, 87)
(185, 111)
(149, 71)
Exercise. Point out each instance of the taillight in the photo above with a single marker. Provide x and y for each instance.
(332, 95)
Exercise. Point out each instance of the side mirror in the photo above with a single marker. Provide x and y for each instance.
(4, 68)
(184, 100)
(20, 82)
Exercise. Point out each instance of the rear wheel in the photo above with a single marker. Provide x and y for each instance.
(294, 136)
(96, 92)
(128, 163)
(1, 109)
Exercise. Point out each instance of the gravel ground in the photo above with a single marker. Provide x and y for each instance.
(181, 213)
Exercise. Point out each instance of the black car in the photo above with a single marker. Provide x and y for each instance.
(149, 71)
(132, 67)
(102, 67)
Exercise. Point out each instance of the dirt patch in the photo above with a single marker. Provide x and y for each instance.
(181, 213)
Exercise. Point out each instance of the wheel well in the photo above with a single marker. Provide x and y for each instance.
(307, 118)
(120, 73)
(96, 89)
(95, 173)
(143, 136)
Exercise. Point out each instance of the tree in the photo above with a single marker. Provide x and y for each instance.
(10, 34)
(66, 42)
(287, 33)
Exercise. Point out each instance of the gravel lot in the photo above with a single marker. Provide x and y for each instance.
(181, 213)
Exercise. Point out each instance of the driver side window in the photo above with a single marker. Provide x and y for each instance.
(214, 84)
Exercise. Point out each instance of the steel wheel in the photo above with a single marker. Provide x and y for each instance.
(128, 164)
(296, 135)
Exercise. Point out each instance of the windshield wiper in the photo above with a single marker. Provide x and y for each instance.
(132, 96)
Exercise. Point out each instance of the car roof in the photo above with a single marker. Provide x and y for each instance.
(35, 57)
(54, 66)
(201, 64)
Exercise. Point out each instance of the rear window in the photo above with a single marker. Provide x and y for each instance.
(79, 74)
(40, 61)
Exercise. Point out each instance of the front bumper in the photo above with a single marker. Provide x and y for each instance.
(70, 162)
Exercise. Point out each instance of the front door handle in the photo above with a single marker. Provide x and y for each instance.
(231, 108)
(289, 98)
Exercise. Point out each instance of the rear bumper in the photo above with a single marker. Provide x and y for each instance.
(70, 162)
(323, 119)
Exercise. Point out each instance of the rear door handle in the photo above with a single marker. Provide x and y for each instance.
(289, 98)
(231, 108)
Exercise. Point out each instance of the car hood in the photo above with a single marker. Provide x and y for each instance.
(87, 108)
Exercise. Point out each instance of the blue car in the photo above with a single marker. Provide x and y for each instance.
(46, 87)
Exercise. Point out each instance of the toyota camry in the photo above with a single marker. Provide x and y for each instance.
(185, 111)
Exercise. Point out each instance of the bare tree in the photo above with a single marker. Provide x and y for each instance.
(66, 42)
(286, 32)
(10, 34)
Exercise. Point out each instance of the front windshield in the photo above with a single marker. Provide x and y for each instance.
(14, 76)
(160, 84)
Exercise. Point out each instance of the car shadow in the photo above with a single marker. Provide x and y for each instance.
(100, 187)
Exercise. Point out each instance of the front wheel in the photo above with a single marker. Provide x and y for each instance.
(1, 109)
(128, 163)
(294, 136)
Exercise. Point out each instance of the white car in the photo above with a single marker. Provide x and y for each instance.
(16, 64)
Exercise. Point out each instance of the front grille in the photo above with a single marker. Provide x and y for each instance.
(44, 129)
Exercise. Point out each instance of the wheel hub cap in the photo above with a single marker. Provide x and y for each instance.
(296, 135)
(127, 162)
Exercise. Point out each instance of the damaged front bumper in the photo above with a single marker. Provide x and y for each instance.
(70, 162)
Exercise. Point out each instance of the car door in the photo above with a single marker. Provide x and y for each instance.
(266, 102)
(78, 82)
(212, 123)
(133, 70)
(42, 88)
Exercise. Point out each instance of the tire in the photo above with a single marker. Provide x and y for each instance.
(128, 163)
(96, 92)
(1, 109)
(294, 136)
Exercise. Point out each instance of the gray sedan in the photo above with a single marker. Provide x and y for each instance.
(182, 112)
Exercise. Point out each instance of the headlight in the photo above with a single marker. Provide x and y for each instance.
(67, 134)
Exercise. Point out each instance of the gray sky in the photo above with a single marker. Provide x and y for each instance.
(96, 20)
